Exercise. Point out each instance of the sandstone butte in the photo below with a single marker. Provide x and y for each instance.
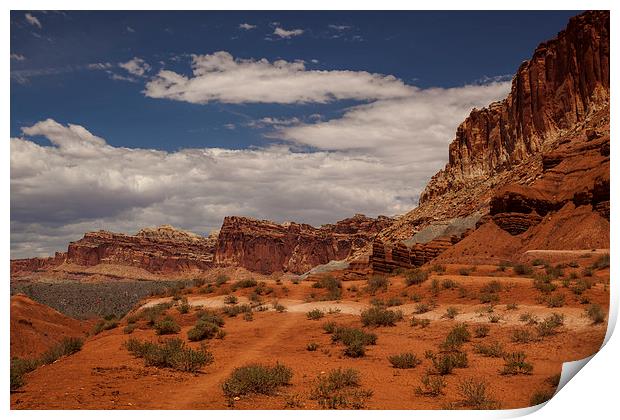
(534, 166)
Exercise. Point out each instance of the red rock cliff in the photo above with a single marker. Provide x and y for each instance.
(566, 80)
(267, 247)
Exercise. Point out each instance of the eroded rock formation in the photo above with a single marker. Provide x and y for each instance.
(267, 247)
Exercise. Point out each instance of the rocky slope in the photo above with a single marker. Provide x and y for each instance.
(542, 150)
(268, 247)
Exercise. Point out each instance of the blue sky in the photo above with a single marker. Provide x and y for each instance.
(121, 120)
(422, 48)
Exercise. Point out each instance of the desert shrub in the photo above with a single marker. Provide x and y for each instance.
(513, 306)
(528, 318)
(449, 284)
(456, 337)
(244, 284)
(278, 307)
(210, 316)
(554, 271)
(573, 264)
(393, 301)
(481, 331)
(221, 279)
(474, 394)
(203, 329)
(421, 308)
(451, 313)
(555, 301)
(579, 287)
(315, 314)
(522, 269)
(516, 364)
(522, 336)
(231, 299)
(488, 297)
(415, 276)
(312, 346)
(494, 318)
(184, 306)
(172, 353)
(256, 379)
(377, 283)
(493, 349)
(262, 289)
(330, 327)
(234, 310)
(550, 325)
(587, 272)
(67, 346)
(445, 363)
(198, 282)
(333, 286)
(503, 265)
(438, 268)
(554, 380)
(464, 271)
(104, 325)
(339, 389)
(376, 316)
(167, 326)
(421, 322)
(404, 360)
(435, 287)
(151, 314)
(595, 313)
(431, 386)
(540, 397)
(539, 261)
(247, 316)
(354, 339)
(463, 292)
(601, 262)
(493, 286)
(542, 282)
(20, 367)
(129, 328)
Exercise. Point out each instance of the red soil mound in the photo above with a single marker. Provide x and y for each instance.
(36, 327)
(488, 243)
(570, 228)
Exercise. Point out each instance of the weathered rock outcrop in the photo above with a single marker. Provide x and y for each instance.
(160, 250)
(267, 247)
(566, 80)
(541, 147)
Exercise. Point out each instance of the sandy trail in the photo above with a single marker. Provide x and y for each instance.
(475, 313)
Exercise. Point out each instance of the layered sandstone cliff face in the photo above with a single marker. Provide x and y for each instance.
(268, 247)
(554, 123)
(157, 250)
(535, 165)
(566, 80)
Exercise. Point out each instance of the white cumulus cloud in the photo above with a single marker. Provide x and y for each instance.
(246, 26)
(136, 66)
(33, 20)
(283, 33)
(223, 78)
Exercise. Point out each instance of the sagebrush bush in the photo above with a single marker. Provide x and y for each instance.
(445, 363)
(493, 349)
(167, 326)
(515, 364)
(244, 284)
(555, 301)
(522, 269)
(456, 337)
(333, 286)
(203, 329)
(422, 322)
(312, 346)
(20, 367)
(421, 308)
(451, 313)
(522, 336)
(540, 397)
(493, 286)
(449, 284)
(488, 297)
(256, 379)
(550, 325)
(231, 299)
(415, 276)
(330, 327)
(339, 389)
(104, 325)
(184, 306)
(172, 353)
(315, 314)
(481, 331)
(376, 316)
(431, 386)
(129, 328)
(234, 310)
(474, 394)
(377, 283)
(221, 279)
(601, 262)
(595, 313)
(404, 360)
(67, 346)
